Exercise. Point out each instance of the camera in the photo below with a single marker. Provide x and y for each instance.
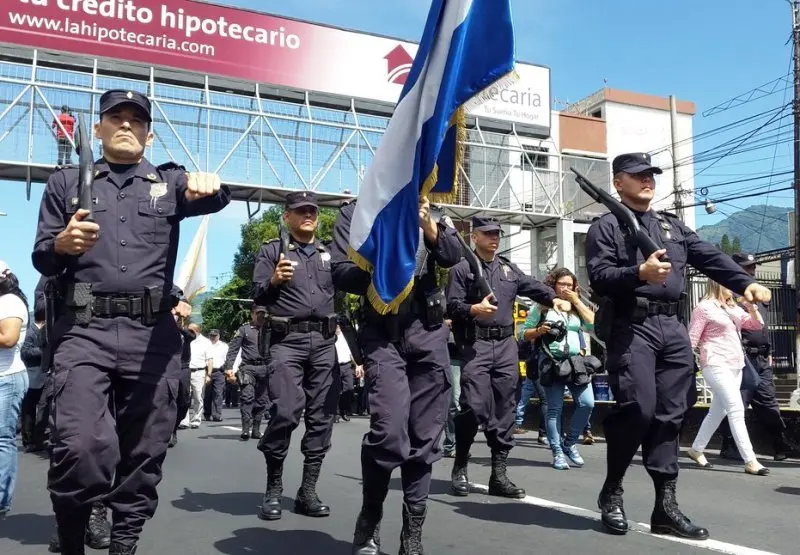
(557, 332)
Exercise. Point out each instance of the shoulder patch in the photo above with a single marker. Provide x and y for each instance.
(238, 332)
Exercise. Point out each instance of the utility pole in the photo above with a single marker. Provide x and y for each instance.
(676, 182)
(795, 4)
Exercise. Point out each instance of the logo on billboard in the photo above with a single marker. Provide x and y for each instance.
(398, 63)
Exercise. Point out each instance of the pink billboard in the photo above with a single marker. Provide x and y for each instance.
(240, 44)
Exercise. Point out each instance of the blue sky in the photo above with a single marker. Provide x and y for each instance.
(705, 51)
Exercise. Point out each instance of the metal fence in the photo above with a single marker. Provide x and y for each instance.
(780, 318)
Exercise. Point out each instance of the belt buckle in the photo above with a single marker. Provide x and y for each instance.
(303, 327)
(120, 306)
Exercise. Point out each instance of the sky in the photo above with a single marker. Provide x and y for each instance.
(707, 51)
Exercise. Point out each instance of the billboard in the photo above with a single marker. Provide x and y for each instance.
(228, 42)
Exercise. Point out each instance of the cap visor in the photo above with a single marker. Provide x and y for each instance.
(642, 168)
(297, 205)
(136, 105)
(489, 228)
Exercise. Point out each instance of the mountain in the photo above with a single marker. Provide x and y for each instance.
(759, 228)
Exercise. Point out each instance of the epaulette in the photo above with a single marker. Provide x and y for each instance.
(66, 167)
(168, 166)
(267, 242)
(503, 259)
(670, 214)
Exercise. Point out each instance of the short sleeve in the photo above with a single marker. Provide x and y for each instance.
(12, 306)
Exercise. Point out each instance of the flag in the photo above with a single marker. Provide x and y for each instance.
(193, 275)
(465, 57)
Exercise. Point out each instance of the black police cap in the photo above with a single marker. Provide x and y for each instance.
(117, 97)
(485, 224)
(634, 162)
(299, 199)
(744, 259)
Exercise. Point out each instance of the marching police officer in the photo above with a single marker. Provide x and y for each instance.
(116, 277)
(252, 374)
(406, 365)
(757, 347)
(648, 355)
(184, 400)
(297, 290)
(484, 328)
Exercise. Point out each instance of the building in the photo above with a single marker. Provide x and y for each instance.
(275, 105)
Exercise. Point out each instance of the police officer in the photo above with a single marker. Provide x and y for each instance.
(484, 329)
(757, 347)
(406, 364)
(648, 355)
(184, 400)
(297, 289)
(116, 281)
(252, 374)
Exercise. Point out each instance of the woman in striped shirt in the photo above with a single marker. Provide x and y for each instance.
(715, 329)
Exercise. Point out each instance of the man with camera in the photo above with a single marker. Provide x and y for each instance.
(484, 331)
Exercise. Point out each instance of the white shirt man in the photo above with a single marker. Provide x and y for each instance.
(201, 365)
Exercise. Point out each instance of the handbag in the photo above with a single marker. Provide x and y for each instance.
(751, 379)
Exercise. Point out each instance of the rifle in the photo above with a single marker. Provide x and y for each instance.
(626, 218)
(86, 170)
(283, 235)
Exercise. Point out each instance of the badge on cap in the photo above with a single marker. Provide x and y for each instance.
(129, 95)
(157, 190)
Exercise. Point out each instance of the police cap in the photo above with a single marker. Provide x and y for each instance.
(299, 199)
(259, 308)
(117, 97)
(485, 224)
(744, 259)
(634, 162)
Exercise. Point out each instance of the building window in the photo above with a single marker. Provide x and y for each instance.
(534, 157)
(597, 114)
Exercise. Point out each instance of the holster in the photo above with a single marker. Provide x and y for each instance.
(351, 337)
(329, 324)
(604, 318)
(264, 338)
(78, 303)
(279, 324)
(244, 378)
(151, 305)
(640, 310)
(433, 314)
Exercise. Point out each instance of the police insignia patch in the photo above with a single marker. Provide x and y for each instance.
(157, 190)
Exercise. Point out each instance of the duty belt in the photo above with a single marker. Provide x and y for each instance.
(655, 308)
(306, 326)
(755, 351)
(257, 362)
(493, 332)
(109, 307)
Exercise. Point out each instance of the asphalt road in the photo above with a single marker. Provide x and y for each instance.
(213, 485)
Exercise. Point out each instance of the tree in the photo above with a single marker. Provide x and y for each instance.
(225, 313)
(725, 244)
(736, 245)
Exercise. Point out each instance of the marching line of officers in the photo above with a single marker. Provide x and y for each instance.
(114, 403)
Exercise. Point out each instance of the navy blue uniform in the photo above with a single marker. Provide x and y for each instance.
(252, 378)
(648, 356)
(100, 449)
(406, 365)
(490, 371)
(184, 401)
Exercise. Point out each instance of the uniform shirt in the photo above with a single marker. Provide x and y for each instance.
(246, 340)
(200, 353)
(219, 352)
(613, 260)
(757, 337)
(139, 227)
(507, 282)
(347, 276)
(12, 306)
(308, 295)
(715, 329)
(343, 354)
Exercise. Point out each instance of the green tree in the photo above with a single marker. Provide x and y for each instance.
(225, 313)
(725, 244)
(736, 245)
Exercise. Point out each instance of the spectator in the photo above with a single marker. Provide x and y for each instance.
(64, 135)
(33, 431)
(13, 379)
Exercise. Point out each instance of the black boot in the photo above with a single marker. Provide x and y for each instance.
(366, 538)
(307, 502)
(98, 529)
(271, 504)
(459, 480)
(411, 534)
(55, 542)
(667, 518)
(611, 509)
(173, 440)
(499, 484)
(117, 549)
(245, 429)
(256, 433)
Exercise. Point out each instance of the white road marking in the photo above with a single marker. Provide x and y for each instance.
(640, 527)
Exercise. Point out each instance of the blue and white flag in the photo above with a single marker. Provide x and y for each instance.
(465, 56)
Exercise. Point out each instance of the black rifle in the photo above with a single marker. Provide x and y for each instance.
(86, 173)
(475, 266)
(51, 302)
(284, 237)
(626, 218)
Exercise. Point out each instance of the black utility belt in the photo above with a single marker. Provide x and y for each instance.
(252, 363)
(81, 305)
(643, 307)
(283, 325)
(757, 351)
(493, 332)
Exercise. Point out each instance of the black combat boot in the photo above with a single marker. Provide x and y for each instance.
(307, 502)
(118, 549)
(245, 428)
(98, 529)
(667, 518)
(366, 538)
(411, 534)
(459, 480)
(256, 433)
(499, 484)
(612, 512)
(271, 504)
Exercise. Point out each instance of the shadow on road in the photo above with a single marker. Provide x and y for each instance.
(28, 529)
(787, 490)
(291, 542)
(509, 512)
(235, 503)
